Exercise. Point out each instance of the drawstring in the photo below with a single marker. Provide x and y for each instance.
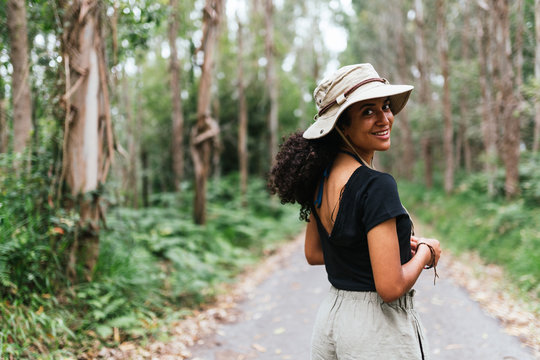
(362, 161)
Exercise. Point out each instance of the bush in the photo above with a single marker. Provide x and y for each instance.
(153, 262)
(502, 232)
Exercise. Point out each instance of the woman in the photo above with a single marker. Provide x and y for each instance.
(357, 226)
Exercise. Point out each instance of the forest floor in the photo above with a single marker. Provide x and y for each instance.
(269, 314)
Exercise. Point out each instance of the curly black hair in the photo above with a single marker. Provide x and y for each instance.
(298, 168)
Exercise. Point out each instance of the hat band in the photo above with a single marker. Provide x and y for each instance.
(347, 93)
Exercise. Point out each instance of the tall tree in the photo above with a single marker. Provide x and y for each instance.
(442, 38)
(130, 171)
(177, 115)
(489, 123)
(22, 102)
(206, 129)
(88, 138)
(518, 58)
(506, 97)
(402, 77)
(271, 80)
(463, 145)
(424, 89)
(3, 120)
(536, 143)
(242, 117)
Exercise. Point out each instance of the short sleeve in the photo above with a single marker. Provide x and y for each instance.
(381, 201)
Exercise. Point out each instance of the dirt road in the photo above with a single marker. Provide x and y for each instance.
(276, 319)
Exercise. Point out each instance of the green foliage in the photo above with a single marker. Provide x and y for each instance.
(502, 232)
(153, 263)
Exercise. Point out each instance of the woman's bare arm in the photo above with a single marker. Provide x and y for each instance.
(312, 245)
(392, 280)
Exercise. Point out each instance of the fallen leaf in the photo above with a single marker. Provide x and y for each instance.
(258, 347)
(279, 330)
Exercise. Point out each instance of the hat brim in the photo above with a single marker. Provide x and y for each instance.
(398, 94)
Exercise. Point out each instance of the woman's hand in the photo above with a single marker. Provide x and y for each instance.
(433, 243)
(414, 242)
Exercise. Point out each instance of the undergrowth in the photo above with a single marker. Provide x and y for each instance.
(154, 264)
(503, 232)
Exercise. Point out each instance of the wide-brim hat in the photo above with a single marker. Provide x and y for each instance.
(347, 86)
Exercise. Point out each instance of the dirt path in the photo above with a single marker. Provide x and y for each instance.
(275, 319)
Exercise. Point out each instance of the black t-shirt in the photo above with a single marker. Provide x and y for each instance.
(369, 198)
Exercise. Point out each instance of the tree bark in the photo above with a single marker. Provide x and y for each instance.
(463, 145)
(506, 93)
(3, 122)
(131, 173)
(271, 81)
(206, 128)
(536, 141)
(446, 104)
(402, 71)
(489, 125)
(145, 180)
(177, 114)
(424, 89)
(518, 58)
(88, 138)
(22, 102)
(242, 119)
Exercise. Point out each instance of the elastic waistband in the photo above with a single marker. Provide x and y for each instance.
(406, 301)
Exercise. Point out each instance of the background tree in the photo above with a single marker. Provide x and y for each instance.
(22, 102)
(206, 128)
(242, 117)
(442, 38)
(424, 89)
(177, 114)
(271, 80)
(536, 145)
(88, 138)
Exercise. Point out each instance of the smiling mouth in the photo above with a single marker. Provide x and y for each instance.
(382, 133)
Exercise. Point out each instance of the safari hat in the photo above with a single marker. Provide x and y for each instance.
(348, 85)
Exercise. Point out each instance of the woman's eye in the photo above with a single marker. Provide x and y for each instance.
(386, 107)
(367, 112)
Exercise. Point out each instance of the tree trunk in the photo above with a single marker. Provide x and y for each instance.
(402, 71)
(88, 138)
(130, 182)
(271, 81)
(536, 142)
(206, 128)
(22, 102)
(446, 105)
(424, 89)
(489, 124)
(463, 145)
(145, 181)
(427, 154)
(177, 115)
(242, 119)
(3, 121)
(508, 105)
(518, 58)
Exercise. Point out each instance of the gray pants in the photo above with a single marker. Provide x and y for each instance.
(354, 325)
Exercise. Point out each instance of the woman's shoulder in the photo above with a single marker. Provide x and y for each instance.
(366, 178)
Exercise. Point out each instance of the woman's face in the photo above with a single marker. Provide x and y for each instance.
(370, 126)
